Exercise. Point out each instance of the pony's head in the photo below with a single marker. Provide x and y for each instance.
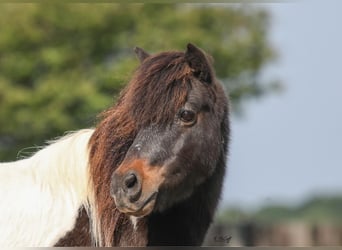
(178, 112)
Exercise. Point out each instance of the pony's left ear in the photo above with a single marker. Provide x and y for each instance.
(198, 62)
(141, 54)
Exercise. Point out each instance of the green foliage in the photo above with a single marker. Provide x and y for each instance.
(274, 213)
(62, 64)
(324, 209)
(232, 215)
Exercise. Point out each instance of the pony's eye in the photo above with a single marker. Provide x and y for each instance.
(187, 116)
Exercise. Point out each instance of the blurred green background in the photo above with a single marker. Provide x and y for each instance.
(60, 65)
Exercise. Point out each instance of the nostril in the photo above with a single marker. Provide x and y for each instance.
(130, 180)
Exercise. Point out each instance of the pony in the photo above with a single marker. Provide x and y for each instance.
(150, 173)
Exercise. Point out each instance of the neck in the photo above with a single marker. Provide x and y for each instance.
(41, 195)
(186, 223)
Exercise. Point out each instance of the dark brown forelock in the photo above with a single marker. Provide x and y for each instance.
(157, 90)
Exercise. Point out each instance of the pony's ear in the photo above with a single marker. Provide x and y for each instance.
(198, 62)
(141, 54)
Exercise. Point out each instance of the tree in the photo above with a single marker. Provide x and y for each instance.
(62, 64)
(321, 209)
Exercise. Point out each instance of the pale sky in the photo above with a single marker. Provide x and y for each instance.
(289, 146)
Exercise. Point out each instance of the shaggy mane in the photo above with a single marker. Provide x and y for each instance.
(157, 90)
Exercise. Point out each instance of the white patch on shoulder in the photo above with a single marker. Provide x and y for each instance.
(134, 221)
(41, 195)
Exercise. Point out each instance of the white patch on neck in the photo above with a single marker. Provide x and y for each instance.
(41, 195)
(134, 221)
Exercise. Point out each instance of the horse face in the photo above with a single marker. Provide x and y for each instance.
(166, 163)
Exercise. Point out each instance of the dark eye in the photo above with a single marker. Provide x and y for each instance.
(187, 116)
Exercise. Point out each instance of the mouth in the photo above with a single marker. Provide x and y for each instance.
(140, 211)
